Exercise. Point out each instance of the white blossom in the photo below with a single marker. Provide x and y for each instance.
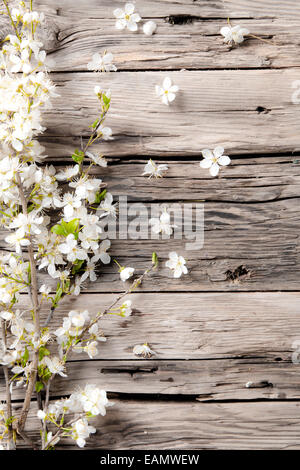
(167, 92)
(213, 160)
(234, 34)
(149, 28)
(126, 273)
(81, 431)
(55, 365)
(162, 224)
(143, 350)
(177, 264)
(151, 169)
(125, 308)
(72, 250)
(102, 63)
(127, 18)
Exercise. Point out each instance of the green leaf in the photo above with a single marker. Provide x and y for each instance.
(58, 229)
(100, 196)
(106, 100)
(78, 156)
(95, 124)
(59, 293)
(154, 259)
(39, 386)
(25, 355)
(77, 266)
(43, 352)
(65, 228)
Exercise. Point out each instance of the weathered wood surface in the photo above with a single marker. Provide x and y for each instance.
(176, 425)
(213, 108)
(205, 380)
(195, 325)
(208, 343)
(187, 35)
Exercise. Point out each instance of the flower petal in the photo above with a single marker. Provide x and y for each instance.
(218, 151)
(136, 17)
(118, 13)
(120, 24)
(167, 83)
(214, 169)
(132, 26)
(129, 8)
(207, 154)
(171, 97)
(224, 160)
(206, 163)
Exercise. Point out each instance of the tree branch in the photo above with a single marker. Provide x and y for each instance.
(36, 318)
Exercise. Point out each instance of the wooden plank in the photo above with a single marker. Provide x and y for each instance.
(195, 45)
(261, 179)
(161, 8)
(221, 379)
(131, 424)
(194, 325)
(260, 237)
(213, 108)
(192, 42)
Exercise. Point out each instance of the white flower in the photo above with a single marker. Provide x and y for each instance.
(125, 308)
(107, 206)
(98, 159)
(18, 239)
(167, 92)
(152, 169)
(212, 160)
(71, 249)
(55, 365)
(126, 273)
(234, 34)
(89, 272)
(82, 430)
(70, 203)
(67, 173)
(127, 18)
(143, 350)
(105, 133)
(101, 253)
(177, 264)
(90, 348)
(6, 315)
(162, 225)
(149, 28)
(41, 415)
(94, 400)
(78, 319)
(102, 64)
(45, 290)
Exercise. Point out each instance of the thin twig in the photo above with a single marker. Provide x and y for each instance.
(10, 443)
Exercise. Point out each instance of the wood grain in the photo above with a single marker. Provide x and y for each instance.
(195, 325)
(175, 425)
(213, 108)
(206, 380)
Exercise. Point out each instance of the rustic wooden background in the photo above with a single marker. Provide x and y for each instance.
(212, 333)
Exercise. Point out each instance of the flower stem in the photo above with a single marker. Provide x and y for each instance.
(11, 20)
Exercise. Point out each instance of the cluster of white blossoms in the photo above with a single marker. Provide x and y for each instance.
(53, 221)
(54, 224)
(85, 404)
